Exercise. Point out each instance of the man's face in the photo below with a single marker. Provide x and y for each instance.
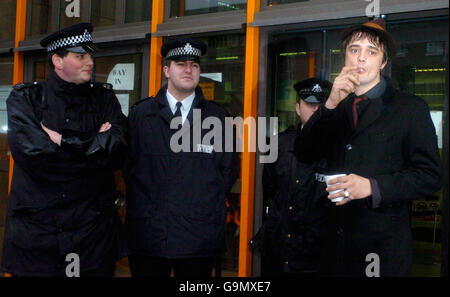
(368, 58)
(74, 67)
(305, 110)
(183, 76)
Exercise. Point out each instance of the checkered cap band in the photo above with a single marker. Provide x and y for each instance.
(187, 50)
(71, 41)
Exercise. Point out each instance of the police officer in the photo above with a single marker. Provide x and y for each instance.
(291, 236)
(66, 135)
(176, 207)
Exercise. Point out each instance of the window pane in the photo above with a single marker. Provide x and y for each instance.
(295, 57)
(41, 70)
(179, 8)
(40, 17)
(6, 78)
(222, 71)
(138, 10)
(69, 14)
(124, 73)
(103, 12)
(276, 2)
(8, 19)
(420, 68)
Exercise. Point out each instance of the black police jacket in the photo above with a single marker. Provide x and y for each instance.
(292, 232)
(62, 198)
(176, 200)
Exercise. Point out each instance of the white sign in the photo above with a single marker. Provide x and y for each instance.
(436, 116)
(4, 93)
(124, 100)
(214, 76)
(122, 77)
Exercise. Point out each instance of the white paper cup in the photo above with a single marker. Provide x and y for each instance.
(330, 177)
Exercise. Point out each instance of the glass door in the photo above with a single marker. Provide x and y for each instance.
(6, 79)
(420, 68)
(294, 57)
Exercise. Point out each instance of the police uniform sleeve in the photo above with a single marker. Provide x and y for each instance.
(109, 148)
(31, 147)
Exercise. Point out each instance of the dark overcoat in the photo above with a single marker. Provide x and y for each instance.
(62, 197)
(176, 205)
(394, 143)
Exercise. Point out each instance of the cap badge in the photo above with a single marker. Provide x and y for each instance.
(86, 35)
(317, 88)
(188, 48)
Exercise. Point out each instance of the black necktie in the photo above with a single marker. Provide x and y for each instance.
(178, 111)
(178, 114)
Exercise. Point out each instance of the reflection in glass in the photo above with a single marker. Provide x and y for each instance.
(138, 10)
(296, 58)
(40, 17)
(420, 68)
(222, 77)
(276, 2)
(41, 70)
(103, 12)
(179, 8)
(8, 19)
(6, 80)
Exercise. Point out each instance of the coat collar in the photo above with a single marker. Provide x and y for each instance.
(377, 108)
(163, 108)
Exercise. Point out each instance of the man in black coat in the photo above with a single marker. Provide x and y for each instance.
(177, 182)
(66, 135)
(387, 146)
(290, 239)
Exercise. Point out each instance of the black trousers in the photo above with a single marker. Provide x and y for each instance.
(145, 266)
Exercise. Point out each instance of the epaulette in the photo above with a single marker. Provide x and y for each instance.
(22, 85)
(140, 101)
(102, 85)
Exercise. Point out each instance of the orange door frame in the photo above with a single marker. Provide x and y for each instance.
(248, 158)
(155, 69)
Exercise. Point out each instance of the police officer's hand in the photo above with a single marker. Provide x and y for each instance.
(344, 84)
(54, 136)
(105, 127)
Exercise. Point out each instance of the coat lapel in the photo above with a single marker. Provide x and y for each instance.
(164, 110)
(376, 109)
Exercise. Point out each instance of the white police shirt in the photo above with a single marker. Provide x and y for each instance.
(186, 104)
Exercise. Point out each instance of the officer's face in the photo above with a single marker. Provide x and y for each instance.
(305, 110)
(74, 67)
(368, 58)
(183, 76)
